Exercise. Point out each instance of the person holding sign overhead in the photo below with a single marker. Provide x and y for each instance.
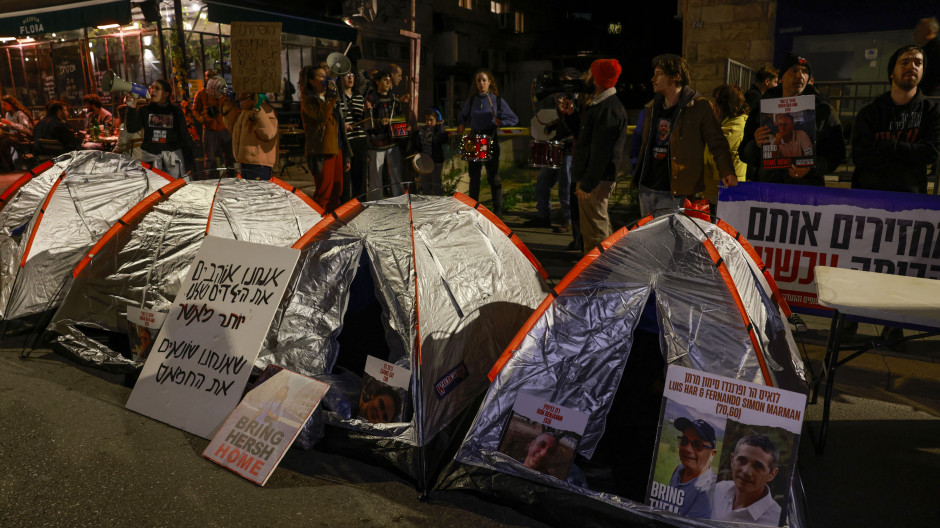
(829, 150)
(166, 144)
(253, 126)
(485, 112)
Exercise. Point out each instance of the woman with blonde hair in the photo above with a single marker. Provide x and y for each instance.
(731, 110)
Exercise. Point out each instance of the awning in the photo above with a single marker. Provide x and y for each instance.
(49, 16)
(296, 20)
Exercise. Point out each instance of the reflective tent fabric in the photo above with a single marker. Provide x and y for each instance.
(18, 204)
(716, 311)
(91, 191)
(453, 290)
(144, 263)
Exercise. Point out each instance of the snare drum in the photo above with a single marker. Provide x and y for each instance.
(476, 147)
(400, 130)
(548, 154)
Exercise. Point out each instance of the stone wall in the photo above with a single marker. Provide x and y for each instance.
(714, 31)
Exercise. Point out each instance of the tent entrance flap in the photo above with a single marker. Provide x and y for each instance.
(362, 333)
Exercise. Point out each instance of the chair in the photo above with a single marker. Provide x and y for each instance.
(291, 150)
(49, 149)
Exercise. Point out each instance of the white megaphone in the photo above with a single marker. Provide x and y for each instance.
(338, 63)
(112, 83)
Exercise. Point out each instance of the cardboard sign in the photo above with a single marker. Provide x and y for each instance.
(256, 435)
(795, 228)
(256, 57)
(792, 122)
(542, 435)
(710, 425)
(201, 359)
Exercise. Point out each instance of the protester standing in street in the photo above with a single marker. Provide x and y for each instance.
(166, 143)
(485, 112)
(328, 153)
(600, 145)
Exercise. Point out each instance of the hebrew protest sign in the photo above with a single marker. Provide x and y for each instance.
(709, 426)
(257, 434)
(256, 57)
(200, 361)
(795, 228)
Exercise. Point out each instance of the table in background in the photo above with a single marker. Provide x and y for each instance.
(292, 148)
(897, 300)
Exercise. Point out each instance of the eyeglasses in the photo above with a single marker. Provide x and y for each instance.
(696, 444)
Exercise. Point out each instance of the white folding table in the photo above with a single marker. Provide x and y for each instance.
(901, 301)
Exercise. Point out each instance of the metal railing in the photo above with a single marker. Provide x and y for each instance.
(739, 75)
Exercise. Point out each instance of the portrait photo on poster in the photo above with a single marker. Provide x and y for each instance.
(543, 436)
(686, 461)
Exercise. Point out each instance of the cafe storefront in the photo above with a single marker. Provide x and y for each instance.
(60, 51)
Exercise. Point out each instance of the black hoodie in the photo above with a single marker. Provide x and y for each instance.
(893, 144)
(830, 144)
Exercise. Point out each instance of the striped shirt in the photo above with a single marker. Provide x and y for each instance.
(353, 113)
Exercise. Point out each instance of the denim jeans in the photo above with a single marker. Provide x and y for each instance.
(543, 190)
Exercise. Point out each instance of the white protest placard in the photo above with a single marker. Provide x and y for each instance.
(201, 359)
(704, 419)
(388, 373)
(256, 435)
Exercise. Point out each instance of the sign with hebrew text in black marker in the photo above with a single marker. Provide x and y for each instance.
(200, 361)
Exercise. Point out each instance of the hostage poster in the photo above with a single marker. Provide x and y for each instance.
(257, 434)
(726, 448)
(792, 124)
(543, 436)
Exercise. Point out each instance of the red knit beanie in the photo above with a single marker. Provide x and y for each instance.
(605, 72)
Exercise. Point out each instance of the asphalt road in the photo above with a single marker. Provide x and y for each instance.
(74, 456)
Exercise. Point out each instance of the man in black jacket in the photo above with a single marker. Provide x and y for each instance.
(830, 144)
(898, 134)
(597, 153)
(55, 127)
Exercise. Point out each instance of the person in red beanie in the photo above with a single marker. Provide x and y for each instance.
(680, 123)
(597, 152)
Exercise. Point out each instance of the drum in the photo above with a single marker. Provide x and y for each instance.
(400, 130)
(422, 163)
(476, 147)
(548, 154)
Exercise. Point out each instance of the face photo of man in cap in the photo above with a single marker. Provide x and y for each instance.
(694, 476)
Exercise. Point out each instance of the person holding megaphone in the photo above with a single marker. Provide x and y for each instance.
(166, 144)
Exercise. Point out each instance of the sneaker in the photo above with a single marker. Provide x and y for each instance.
(538, 222)
(563, 228)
